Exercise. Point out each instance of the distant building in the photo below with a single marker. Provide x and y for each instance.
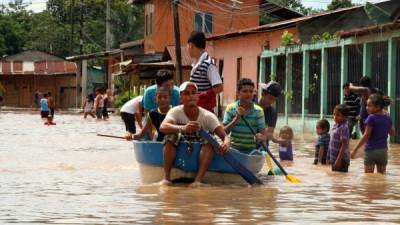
(25, 73)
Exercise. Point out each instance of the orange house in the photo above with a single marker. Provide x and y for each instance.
(211, 17)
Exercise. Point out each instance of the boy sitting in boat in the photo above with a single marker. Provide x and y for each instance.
(184, 121)
(163, 99)
(241, 135)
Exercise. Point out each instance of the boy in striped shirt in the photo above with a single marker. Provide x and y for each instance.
(241, 136)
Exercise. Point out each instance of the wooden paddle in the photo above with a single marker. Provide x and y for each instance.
(246, 174)
(111, 136)
(288, 177)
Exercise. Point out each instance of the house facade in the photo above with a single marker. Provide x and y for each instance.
(366, 44)
(23, 74)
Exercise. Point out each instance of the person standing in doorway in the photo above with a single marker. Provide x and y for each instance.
(204, 73)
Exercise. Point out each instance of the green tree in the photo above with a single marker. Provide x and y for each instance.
(337, 4)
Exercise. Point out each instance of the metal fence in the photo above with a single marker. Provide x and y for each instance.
(267, 73)
(355, 63)
(333, 67)
(379, 65)
(297, 82)
(314, 99)
(281, 79)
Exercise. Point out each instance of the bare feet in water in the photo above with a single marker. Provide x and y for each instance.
(196, 184)
(165, 182)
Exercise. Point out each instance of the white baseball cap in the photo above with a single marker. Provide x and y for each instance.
(185, 84)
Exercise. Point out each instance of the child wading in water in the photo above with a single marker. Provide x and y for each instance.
(157, 116)
(338, 151)
(378, 127)
(88, 106)
(321, 148)
(286, 151)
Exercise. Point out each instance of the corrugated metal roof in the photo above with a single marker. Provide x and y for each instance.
(131, 44)
(186, 59)
(270, 26)
(37, 68)
(370, 29)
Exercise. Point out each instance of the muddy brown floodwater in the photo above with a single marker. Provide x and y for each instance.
(65, 174)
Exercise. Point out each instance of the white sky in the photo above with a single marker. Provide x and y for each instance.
(40, 5)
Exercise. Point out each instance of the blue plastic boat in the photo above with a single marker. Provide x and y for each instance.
(149, 155)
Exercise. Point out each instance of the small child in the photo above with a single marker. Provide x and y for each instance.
(378, 127)
(338, 151)
(88, 106)
(286, 151)
(321, 148)
(157, 116)
(99, 103)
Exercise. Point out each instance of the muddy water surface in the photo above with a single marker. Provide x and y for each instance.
(65, 174)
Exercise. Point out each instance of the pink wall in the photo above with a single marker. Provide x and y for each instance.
(248, 47)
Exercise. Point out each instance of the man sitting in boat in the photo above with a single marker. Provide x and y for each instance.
(183, 122)
(241, 135)
(157, 116)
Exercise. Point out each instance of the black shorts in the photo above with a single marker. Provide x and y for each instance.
(129, 120)
(52, 112)
(105, 112)
(44, 114)
(343, 168)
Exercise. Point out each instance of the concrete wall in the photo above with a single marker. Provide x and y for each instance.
(247, 47)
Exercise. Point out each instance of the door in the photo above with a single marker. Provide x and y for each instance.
(67, 97)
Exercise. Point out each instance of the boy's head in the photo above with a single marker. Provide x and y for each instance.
(98, 91)
(346, 89)
(340, 113)
(196, 43)
(365, 82)
(163, 97)
(45, 95)
(270, 91)
(322, 126)
(165, 78)
(245, 88)
(49, 94)
(286, 133)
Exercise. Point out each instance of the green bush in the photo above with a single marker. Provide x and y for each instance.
(121, 99)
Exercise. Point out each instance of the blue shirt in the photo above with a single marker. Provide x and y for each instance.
(149, 97)
(43, 105)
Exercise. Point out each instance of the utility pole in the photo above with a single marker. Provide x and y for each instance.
(178, 66)
(109, 38)
(81, 31)
(71, 47)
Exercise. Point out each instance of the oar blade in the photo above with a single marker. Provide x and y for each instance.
(246, 174)
(293, 179)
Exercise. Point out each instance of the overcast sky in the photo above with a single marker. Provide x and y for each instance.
(40, 5)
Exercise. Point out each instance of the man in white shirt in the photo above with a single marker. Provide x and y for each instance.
(130, 111)
(187, 119)
(204, 73)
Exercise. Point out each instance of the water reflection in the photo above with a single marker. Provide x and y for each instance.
(65, 174)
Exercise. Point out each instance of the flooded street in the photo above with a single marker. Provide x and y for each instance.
(65, 174)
